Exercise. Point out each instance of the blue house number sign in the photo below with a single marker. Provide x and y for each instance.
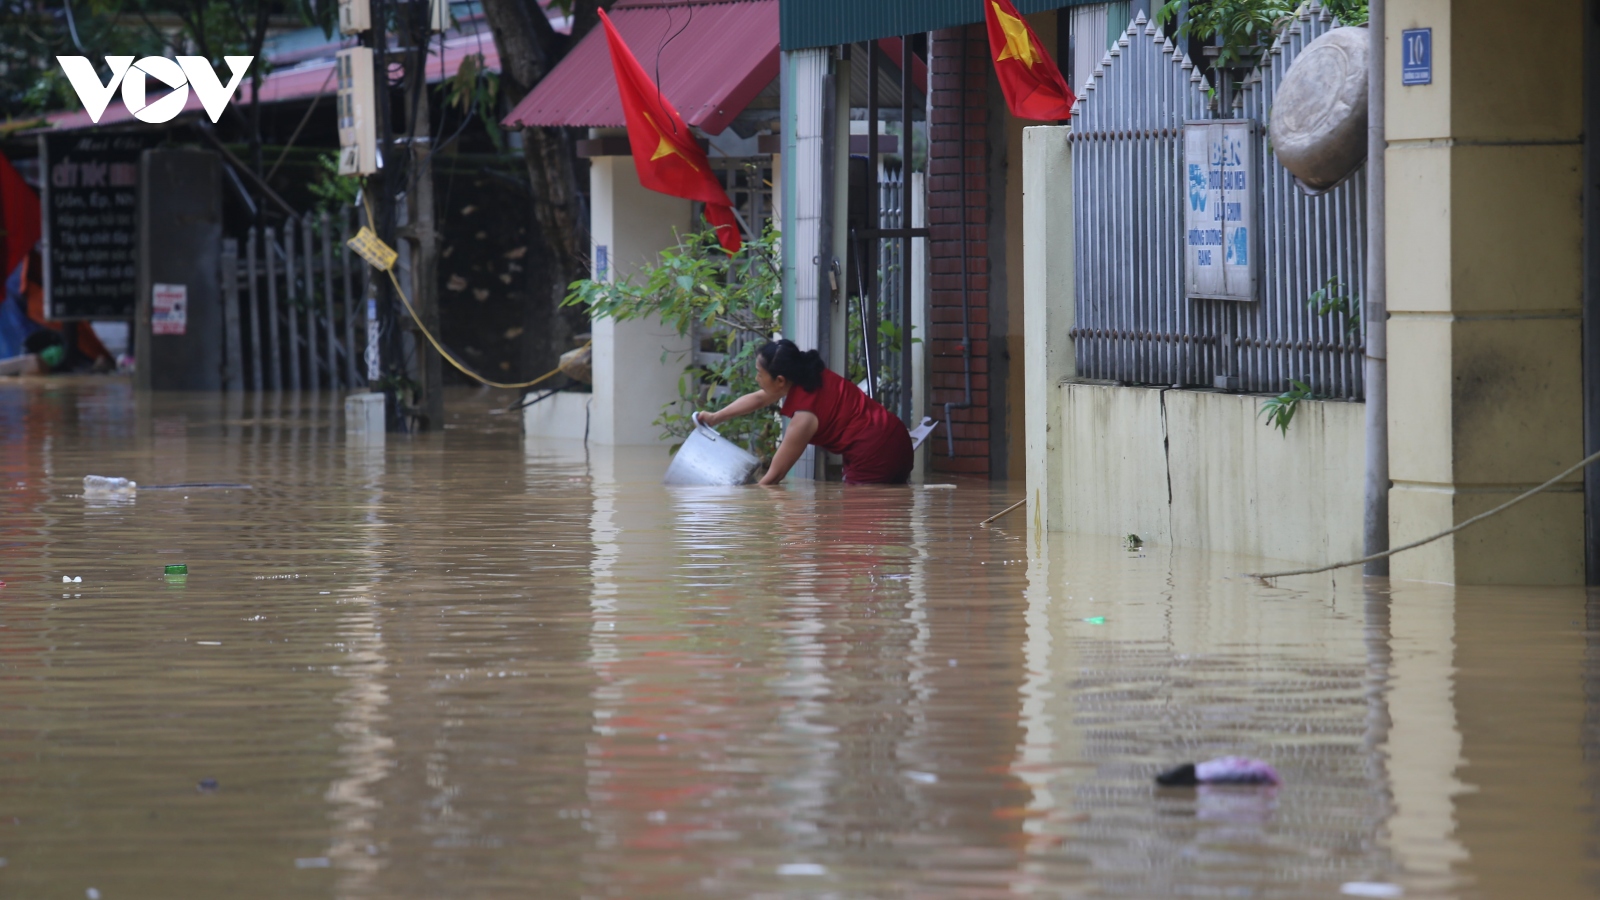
(1416, 56)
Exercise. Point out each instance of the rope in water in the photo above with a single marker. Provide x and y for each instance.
(1428, 540)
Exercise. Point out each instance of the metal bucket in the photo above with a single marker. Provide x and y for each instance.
(709, 458)
(1319, 116)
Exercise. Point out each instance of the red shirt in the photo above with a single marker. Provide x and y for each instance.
(876, 447)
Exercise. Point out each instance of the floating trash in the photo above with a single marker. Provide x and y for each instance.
(207, 786)
(67, 579)
(802, 869)
(179, 569)
(1371, 889)
(1222, 770)
(313, 862)
(106, 486)
(1096, 620)
(922, 777)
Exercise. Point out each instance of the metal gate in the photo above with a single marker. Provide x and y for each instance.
(293, 297)
(1134, 324)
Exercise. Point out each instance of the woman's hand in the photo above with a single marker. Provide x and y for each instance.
(801, 429)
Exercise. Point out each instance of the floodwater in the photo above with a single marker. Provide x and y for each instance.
(462, 665)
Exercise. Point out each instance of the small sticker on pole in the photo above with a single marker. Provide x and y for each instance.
(169, 309)
(371, 248)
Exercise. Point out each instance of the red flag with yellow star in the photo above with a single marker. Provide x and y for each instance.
(1029, 78)
(666, 154)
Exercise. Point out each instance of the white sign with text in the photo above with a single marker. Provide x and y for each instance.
(1220, 189)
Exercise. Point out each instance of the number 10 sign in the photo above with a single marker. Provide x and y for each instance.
(1416, 56)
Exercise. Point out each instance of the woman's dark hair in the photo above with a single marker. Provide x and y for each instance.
(783, 358)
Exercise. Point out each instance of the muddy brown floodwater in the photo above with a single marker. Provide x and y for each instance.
(465, 665)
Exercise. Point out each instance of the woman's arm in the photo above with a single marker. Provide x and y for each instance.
(749, 403)
(801, 430)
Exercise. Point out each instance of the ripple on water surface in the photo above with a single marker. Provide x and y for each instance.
(467, 665)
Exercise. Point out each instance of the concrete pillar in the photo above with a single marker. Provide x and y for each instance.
(804, 73)
(1048, 307)
(1484, 289)
(180, 248)
(636, 363)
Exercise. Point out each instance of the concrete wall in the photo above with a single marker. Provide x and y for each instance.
(1485, 287)
(563, 416)
(636, 363)
(1201, 469)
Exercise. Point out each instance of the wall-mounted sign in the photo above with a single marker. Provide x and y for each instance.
(169, 309)
(1219, 203)
(91, 200)
(1416, 56)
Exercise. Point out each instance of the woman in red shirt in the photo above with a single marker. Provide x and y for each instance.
(826, 410)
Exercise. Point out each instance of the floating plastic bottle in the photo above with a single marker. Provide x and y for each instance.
(107, 486)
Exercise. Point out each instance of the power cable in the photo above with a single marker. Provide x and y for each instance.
(1428, 540)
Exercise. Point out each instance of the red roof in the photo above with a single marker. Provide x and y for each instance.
(724, 55)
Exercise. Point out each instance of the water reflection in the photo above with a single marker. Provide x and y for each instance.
(464, 664)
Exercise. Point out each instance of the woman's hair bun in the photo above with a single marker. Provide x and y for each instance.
(782, 358)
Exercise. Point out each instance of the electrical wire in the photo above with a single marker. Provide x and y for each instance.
(446, 354)
(659, 50)
(1591, 458)
(457, 363)
(72, 26)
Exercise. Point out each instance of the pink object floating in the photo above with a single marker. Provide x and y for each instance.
(1237, 770)
(1222, 770)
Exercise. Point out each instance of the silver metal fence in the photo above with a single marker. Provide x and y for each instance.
(1134, 323)
(294, 294)
(893, 288)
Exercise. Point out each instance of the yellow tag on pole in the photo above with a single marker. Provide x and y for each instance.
(371, 248)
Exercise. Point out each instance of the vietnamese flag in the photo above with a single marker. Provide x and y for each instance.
(667, 156)
(19, 218)
(1029, 78)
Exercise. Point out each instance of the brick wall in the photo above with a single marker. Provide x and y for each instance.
(959, 68)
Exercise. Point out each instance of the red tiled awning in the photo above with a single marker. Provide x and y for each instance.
(724, 56)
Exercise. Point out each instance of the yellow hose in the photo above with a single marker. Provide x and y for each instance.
(435, 341)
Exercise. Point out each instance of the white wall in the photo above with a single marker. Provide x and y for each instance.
(637, 363)
(1201, 469)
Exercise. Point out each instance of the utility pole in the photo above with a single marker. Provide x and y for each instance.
(366, 132)
(421, 224)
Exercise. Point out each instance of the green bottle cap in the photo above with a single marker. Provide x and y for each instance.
(179, 569)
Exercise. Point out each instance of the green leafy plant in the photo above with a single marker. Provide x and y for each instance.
(1280, 410)
(1348, 12)
(333, 191)
(734, 303)
(1240, 27)
(476, 88)
(1333, 298)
